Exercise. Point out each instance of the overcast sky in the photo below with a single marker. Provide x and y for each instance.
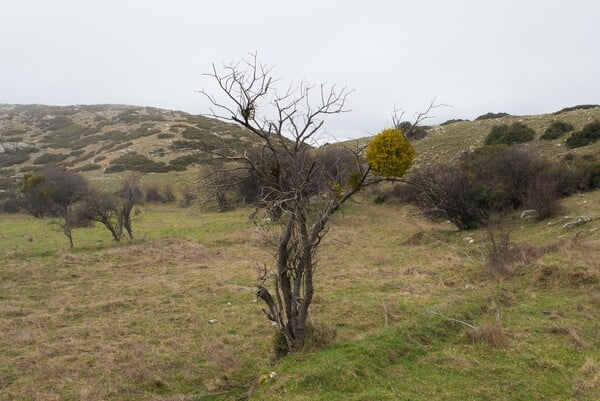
(520, 57)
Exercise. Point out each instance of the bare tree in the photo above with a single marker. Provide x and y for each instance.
(299, 184)
(113, 210)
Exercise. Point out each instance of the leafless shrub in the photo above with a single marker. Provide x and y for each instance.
(188, 197)
(113, 210)
(501, 253)
(153, 194)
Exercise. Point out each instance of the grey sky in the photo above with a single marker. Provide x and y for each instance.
(520, 57)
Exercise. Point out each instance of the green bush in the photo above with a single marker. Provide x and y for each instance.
(15, 138)
(589, 134)
(186, 160)
(16, 132)
(489, 116)
(193, 134)
(16, 156)
(83, 157)
(452, 121)
(144, 130)
(50, 158)
(89, 167)
(578, 107)
(412, 132)
(7, 172)
(136, 162)
(56, 123)
(165, 135)
(115, 168)
(585, 172)
(186, 145)
(510, 134)
(556, 129)
(130, 116)
(70, 136)
(77, 152)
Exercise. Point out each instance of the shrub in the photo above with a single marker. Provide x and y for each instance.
(51, 191)
(77, 152)
(413, 132)
(115, 168)
(15, 132)
(188, 197)
(513, 171)
(16, 156)
(578, 107)
(589, 134)
(168, 194)
(489, 116)
(153, 194)
(510, 134)
(56, 123)
(47, 158)
(186, 160)
(165, 135)
(136, 162)
(13, 139)
(556, 129)
(452, 121)
(8, 196)
(492, 179)
(90, 167)
(181, 144)
(449, 192)
(144, 130)
(193, 134)
(130, 116)
(586, 171)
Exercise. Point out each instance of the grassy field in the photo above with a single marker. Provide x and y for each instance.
(132, 321)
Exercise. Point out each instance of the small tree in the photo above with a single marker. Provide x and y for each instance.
(74, 217)
(51, 191)
(295, 182)
(113, 210)
(56, 192)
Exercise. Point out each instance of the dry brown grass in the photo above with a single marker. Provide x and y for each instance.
(490, 334)
(587, 382)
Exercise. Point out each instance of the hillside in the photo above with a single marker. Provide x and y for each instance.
(109, 138)
(447, 141)
(112, 138)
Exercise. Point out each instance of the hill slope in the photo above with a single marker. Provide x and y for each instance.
(109, 136)
(112, 138)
